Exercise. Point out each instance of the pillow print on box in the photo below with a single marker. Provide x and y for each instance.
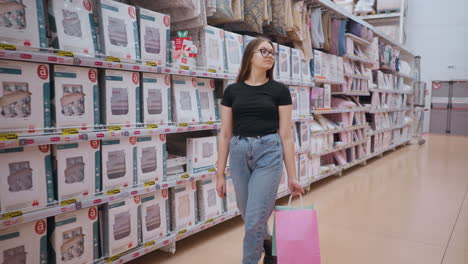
(155, 215)
(184, 99)
(72, 26)
(151, 159)
(22, 23)
(119, 168)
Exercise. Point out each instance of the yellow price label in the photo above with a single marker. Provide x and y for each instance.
(181, 232)
(67, 202)
(185, 176)
(184, 67)
(12, 214)
(65, 53)
(112, 259)
(209, 122)
(151, 63)
(212, 70)
(152, 126)
(7, 46)
(112, 59)
(70, 131)
(150, 243)
(115, 191)
(8, 136)
(149, 183)
(209, 221)
(183, 124)
(114, 128)
(212, 170)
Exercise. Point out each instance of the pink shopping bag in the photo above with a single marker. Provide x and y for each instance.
(296, 235)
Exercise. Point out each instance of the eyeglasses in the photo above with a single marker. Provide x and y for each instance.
(266, 52)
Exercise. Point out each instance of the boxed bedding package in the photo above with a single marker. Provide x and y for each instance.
(156, 98)
(234, 49)
(184, 99)
(77, 169)
(72, 26)
(154, 36)
(119, 168)
(26, 183)
(209, 204)
(76, 97)
(183, 200)
(151, 159)
(155, 215)
(206, 99)
(24, 96)
(202, 153)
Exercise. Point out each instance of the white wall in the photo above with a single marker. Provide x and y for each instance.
(438, 32)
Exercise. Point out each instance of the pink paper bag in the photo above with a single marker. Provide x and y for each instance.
(297, 240)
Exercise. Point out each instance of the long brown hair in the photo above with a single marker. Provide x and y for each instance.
(246, 65)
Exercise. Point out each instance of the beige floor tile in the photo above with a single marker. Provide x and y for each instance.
(397, 209)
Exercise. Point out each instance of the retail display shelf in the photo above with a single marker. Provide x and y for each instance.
(341, 147)
(385, 110)
(326, 174)
(23, 140)
(303, 118)
(353, 163)
(339, 110)
(328, 4)
(357, 39)
(383, 90)
(352, 93)
(399, 74)
(333, 131)
(103, 198)
(382, 16)
(358, 58)
(357, 76)
(296, 82)
(375, 132)
(86, 61)
(370, 156)
(153, 245)
(319, 79)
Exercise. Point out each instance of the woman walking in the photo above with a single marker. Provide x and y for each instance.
(256, 132)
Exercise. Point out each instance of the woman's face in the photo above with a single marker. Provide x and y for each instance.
(263, 57)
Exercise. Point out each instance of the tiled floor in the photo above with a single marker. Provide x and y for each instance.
(411, 206)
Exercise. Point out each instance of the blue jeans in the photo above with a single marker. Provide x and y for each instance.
(256, 164)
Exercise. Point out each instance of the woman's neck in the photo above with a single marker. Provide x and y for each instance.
(256, 77)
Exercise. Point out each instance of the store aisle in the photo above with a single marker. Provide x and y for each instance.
(410, 207)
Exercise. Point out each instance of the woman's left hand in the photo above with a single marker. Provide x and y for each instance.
(295, 187)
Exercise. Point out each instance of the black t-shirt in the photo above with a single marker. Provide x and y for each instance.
(255, 108)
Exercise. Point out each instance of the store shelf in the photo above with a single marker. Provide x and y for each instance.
(385, 110)
(344, 129)
(381, 90)
(357, 39)
(393, 146)
(77, 60)
(381, 16)
(357, 76)
(84, 202)
(326, 174)
(399, 74)
(345, 14)
(296, 82)
(375, 132)
(358, 58)
(153, 245)
(59, 138)
(319, 79)
(341, 147)
(351, 93)
(354, 163)
(302, 118)
(339, 110)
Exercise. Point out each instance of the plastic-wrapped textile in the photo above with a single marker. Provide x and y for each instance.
(383, 5)
(335, 36)
(347, 5)
(156, 5)
(210, 7)
(297, 32)
(316, 28)
(223, 13)
(197, 22)
(253, 18)
(354, 28)
(282, 18)
(327, 29)
(364, 6)
(306, 44)
(238, 9)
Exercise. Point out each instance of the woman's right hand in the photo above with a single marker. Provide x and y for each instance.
(221, 186)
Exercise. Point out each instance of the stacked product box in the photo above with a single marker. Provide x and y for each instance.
(76, 97)
(155, 215)
(230, 203)
(119, 168)
(151, 159)
(156, 98)
(77, 169)
(74, 237)
(206, 99)
(72, 26)
(234, 48)
(184, 211)
(296, 67)
(284, 62)
(24, 96)
(210, 55)
(202, 153)
(184, 99)
(209, 204)
(154, 36)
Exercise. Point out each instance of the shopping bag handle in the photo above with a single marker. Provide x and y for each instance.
(300, 196)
